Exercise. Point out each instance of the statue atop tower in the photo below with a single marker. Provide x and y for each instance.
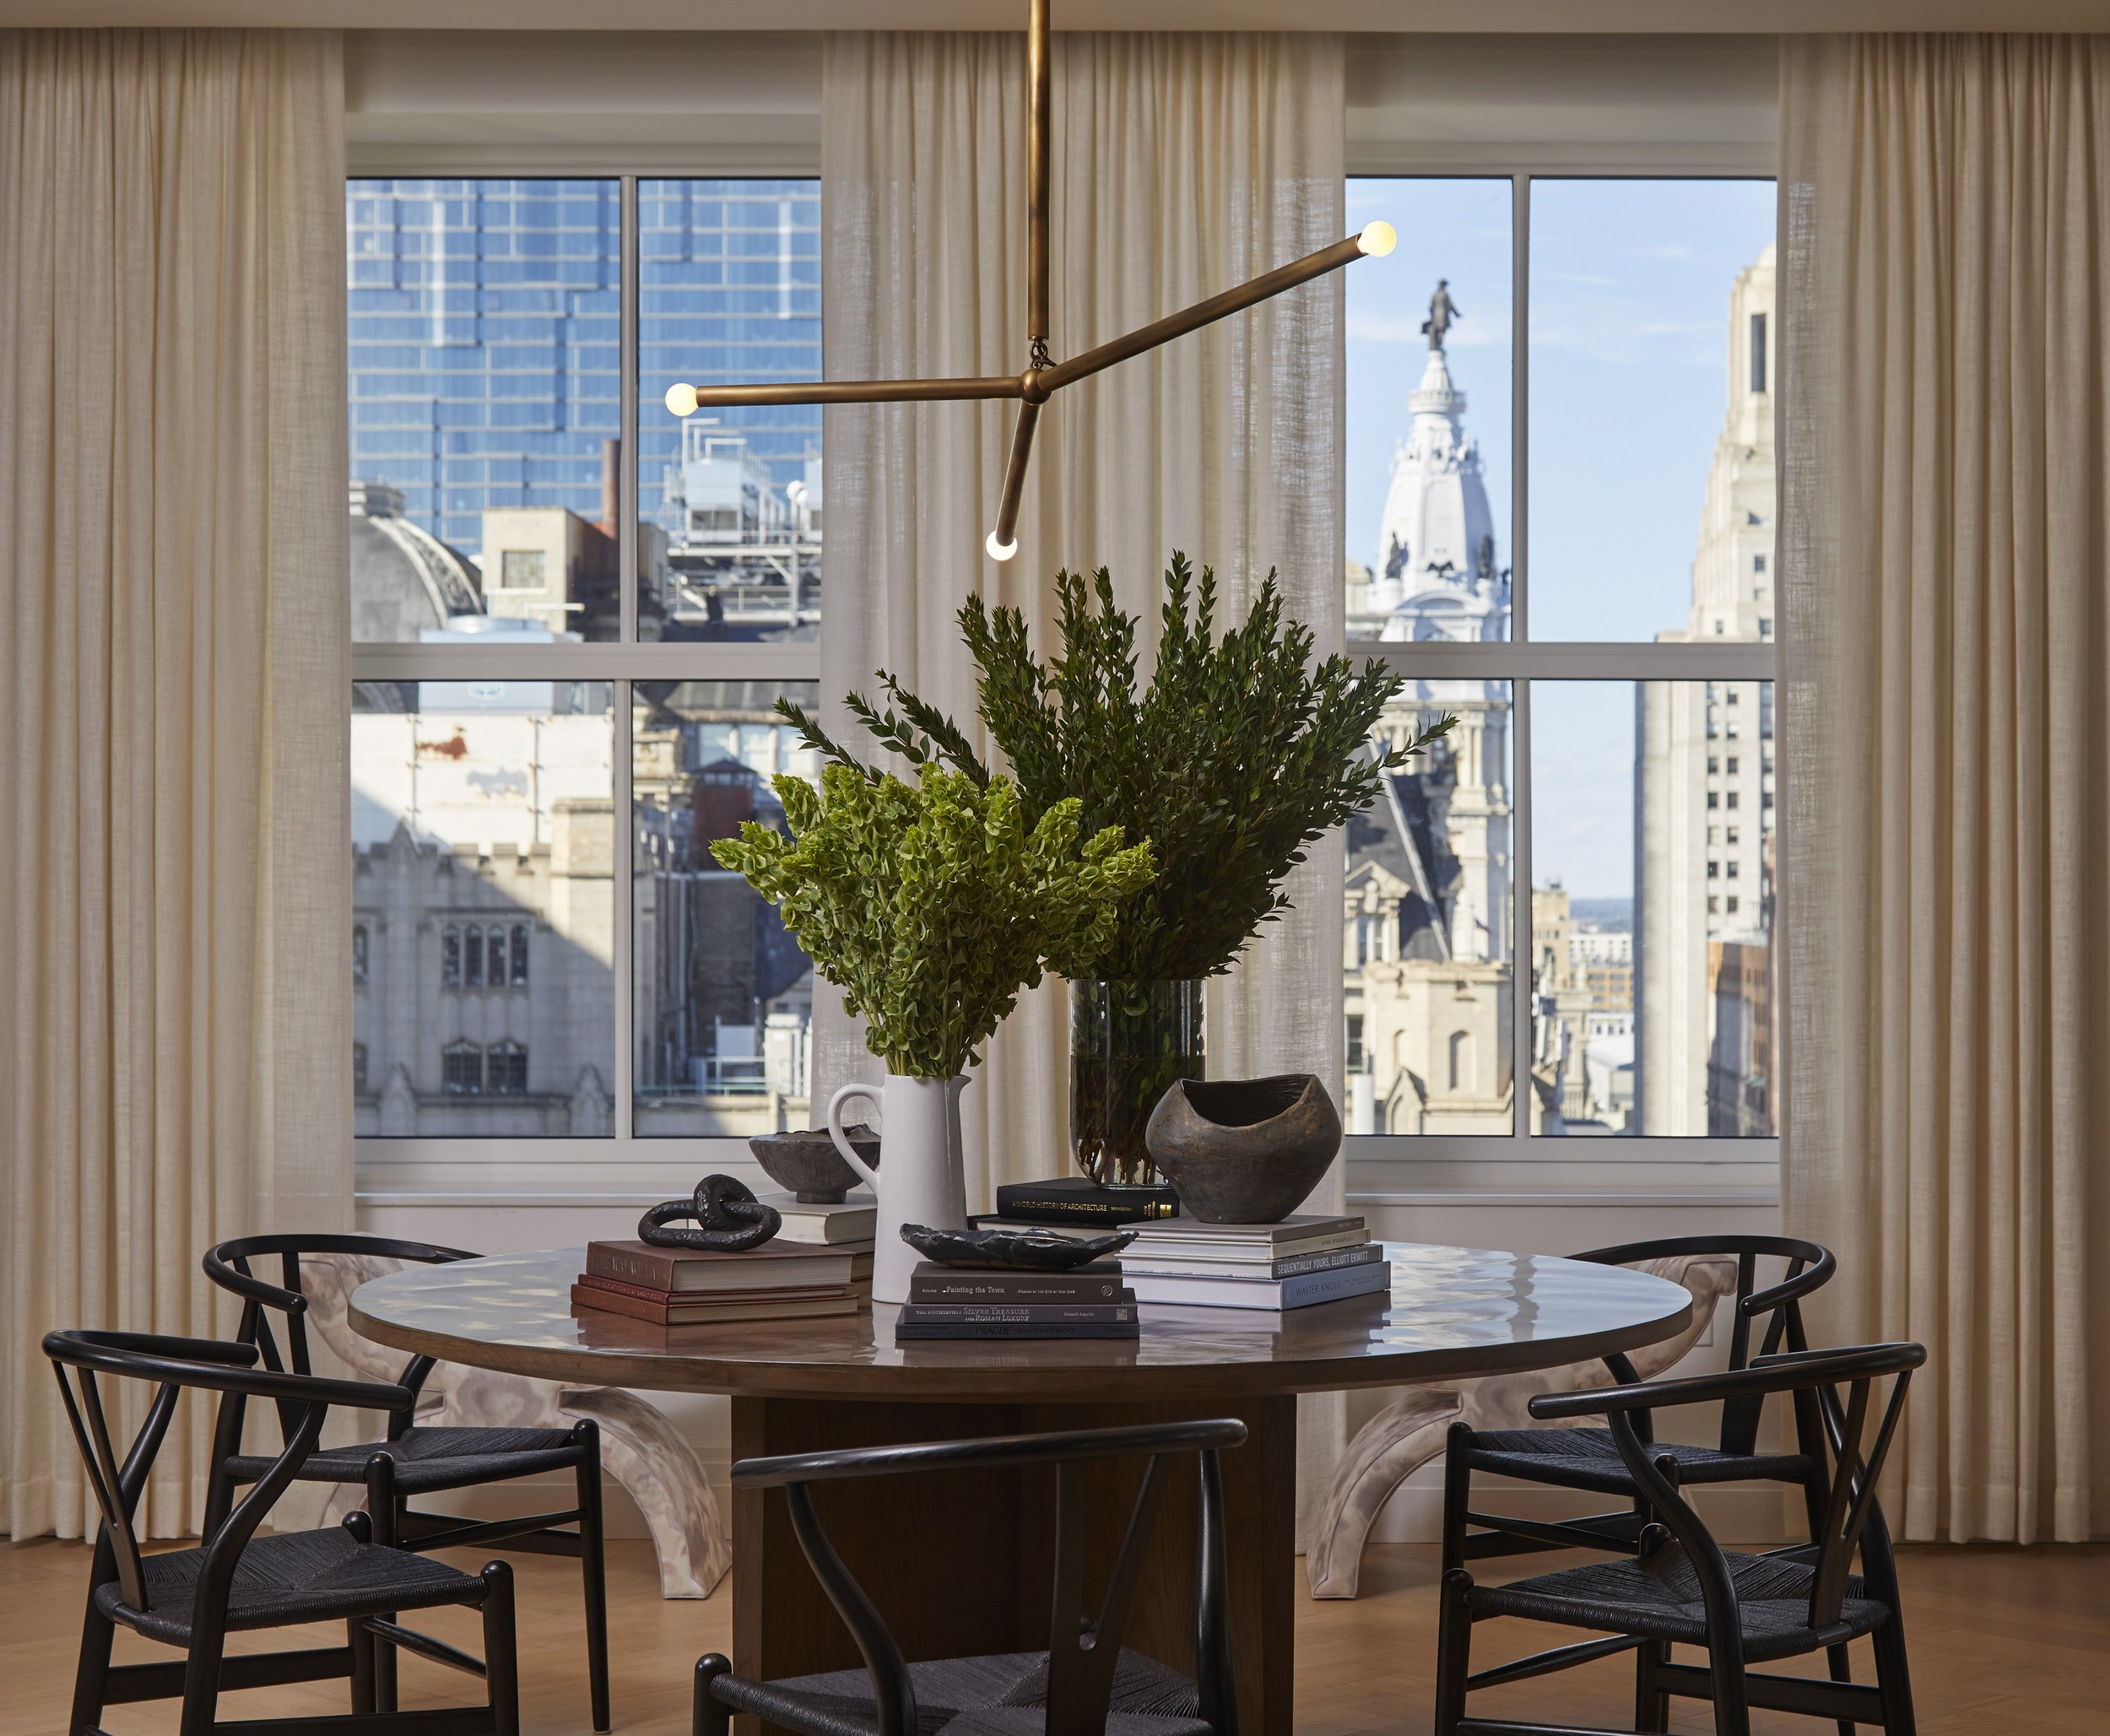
(1442, 311)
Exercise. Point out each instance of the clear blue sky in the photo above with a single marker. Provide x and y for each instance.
(1629, 285)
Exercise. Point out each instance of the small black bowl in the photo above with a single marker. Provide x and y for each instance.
(1012, 1250)
(808, 1164)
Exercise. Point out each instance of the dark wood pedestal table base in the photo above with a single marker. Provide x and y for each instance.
(959, 1564)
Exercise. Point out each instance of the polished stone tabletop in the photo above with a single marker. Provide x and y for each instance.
(1451, 1312)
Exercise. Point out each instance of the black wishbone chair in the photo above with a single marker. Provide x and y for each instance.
(236, 1582)
(1682, 1589)
(413, 1460)
(1586, 1459)
(1085, 1684)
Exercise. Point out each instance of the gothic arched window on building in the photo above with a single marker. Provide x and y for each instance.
(1461, 1060)
(359, 952)
(450, 957)
(472, 976)
(495, 943)
(520, 956)
(507, 1068)
(461, 1068)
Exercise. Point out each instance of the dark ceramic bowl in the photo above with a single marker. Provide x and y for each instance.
(807, 1164)
(1245, 1151)
(1012, 1250)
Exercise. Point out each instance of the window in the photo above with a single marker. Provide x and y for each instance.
(461, 1069)
(358, 1069)
(561, 596)
(522, 569)
(506, 1068)
(1357, 1063)
(359, 954)
(1594, 649)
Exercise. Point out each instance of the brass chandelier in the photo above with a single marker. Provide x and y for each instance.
(1042, 376)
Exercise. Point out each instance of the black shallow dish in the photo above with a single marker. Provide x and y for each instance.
(1011, 1250)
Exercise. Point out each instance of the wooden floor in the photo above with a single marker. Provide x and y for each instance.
(2003, 1639)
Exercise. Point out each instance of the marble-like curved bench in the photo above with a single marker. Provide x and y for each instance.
(640, 1448)
(1406, 1436)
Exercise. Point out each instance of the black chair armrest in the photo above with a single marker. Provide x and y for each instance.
(994, 1450)
(251, 1287)
(1789, 1372)
(214, 1365)
(1792, 1289)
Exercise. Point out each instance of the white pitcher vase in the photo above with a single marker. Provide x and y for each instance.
(921, 1178)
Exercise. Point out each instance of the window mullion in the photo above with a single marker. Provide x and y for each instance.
(624, 891)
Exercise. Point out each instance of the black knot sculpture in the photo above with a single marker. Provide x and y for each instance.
(729, 1217)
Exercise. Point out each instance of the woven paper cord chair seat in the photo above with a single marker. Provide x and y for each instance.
(302, 1576)
(999, 1696)
(1586, 1459)
(429, 1460)
(1660, 1599)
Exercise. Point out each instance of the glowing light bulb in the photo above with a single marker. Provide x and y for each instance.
(1001, 551)
(682, 399)
(1377, 239)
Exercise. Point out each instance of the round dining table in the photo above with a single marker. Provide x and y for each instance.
(960, 1564)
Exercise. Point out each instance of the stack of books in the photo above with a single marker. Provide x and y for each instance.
(1292, 1264)
(783, 1280)
(954, 1302)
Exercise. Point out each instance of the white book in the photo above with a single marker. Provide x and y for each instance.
(1242, 1254)
(1294, 1265)
(856, 1218)
(1279, 1294)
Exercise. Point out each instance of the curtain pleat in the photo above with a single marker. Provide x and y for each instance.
(173, 807)
(1945, 681)
(1183, 164)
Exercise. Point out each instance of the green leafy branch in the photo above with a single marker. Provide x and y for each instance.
(1240, 753)
(931, 905)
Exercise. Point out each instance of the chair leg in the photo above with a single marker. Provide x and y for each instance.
(92, 1675)
(593, 1569)
(360, 1640)
(201, 1678)
(1652, 1706)
(1839, 1661)
(1454, 1651)
(1457, 1488)
(707, 1716)
(502, 1655)
(383, 1512)
(1892, 1678)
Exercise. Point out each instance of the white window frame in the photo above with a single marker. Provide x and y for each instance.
(622, 1169)
(1450, 1170)
(1694, 100)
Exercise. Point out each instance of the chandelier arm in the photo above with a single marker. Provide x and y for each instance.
(1006, 535)
(1202, 313)
(861, 392)
(1039, 149)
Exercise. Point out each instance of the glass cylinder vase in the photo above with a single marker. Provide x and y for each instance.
(1128, 1041)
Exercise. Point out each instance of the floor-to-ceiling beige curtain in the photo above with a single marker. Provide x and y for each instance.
(1946, 673)
(173, 833)
(1184, 164)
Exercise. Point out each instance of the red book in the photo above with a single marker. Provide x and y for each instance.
(713, 1312)
(775, 1265)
